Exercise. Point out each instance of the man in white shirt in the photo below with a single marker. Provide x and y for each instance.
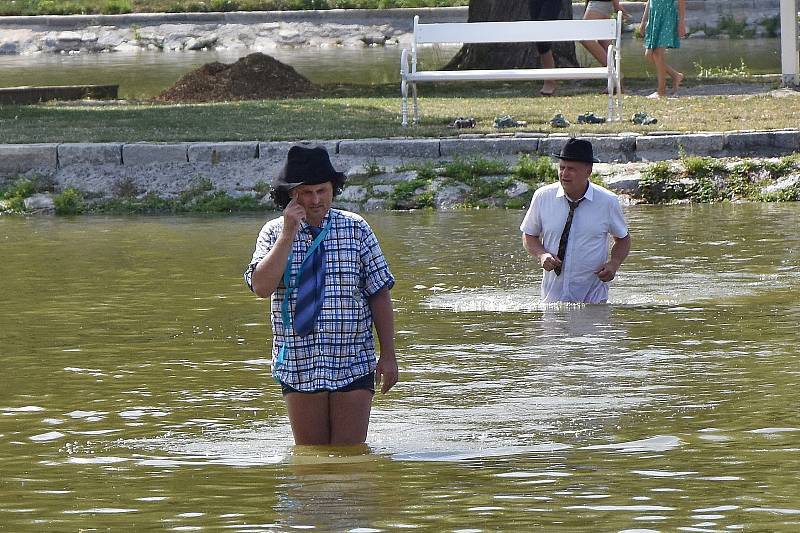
(567, 228)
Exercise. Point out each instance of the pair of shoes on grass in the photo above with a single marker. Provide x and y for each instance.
(507, 121)
(590, 118)
(462, 122)
(558, 121)
(643, 119)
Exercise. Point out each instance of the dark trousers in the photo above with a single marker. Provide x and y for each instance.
(544, 10)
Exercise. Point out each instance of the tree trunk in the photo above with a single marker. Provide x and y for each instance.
(508, 55)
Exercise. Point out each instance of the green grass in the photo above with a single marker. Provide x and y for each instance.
(107, 7)
(374, 111)
(707, 180)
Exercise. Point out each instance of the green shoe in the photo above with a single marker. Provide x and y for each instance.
(462, 122)
(590, 118)
(558, 121)
(643, 119)
(507, 121)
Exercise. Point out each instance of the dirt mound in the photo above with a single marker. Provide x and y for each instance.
(253, 77)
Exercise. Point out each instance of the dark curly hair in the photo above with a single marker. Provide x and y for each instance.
(281, 196)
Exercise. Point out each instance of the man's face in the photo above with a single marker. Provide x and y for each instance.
(315, 199)
(574, 177)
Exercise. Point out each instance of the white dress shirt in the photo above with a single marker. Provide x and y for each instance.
(598, 216)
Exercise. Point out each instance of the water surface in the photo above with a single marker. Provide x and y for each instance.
(137, 393)
(146, 74)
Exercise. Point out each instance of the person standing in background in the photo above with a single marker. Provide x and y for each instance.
(663, 26)
(600, 10)
(545, 10)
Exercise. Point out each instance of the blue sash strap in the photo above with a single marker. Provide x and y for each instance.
(290, 282)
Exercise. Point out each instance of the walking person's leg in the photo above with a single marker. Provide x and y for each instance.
(598, 49)
(545, 10)
(677, 77)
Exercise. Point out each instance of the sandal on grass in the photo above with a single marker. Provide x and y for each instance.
(461, 122)
(643, 119)
(558, 121)
(507, 121)
(590, 118)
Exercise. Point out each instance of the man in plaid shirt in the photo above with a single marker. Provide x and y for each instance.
(323, 352)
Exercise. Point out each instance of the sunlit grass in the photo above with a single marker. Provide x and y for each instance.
(375, 112)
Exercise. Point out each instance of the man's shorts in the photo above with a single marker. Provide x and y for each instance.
(603, 9)
(544, 10)
(366, 382)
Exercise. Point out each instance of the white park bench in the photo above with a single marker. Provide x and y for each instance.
(514, 32)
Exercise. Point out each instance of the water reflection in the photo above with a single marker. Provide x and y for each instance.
(146, 74)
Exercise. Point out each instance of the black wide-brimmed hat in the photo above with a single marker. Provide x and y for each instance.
(577, 150)
(305, 166)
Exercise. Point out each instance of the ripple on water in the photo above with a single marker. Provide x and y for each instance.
(634, 289)
(659, 443)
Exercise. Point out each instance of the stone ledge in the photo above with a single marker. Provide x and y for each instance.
(149, 153)
(665, 147)
(352, 153)
(224, 152)
(762, 143)
(401, 148)
(20, 158)
(488, 146)
(89, 154)
(278, 149)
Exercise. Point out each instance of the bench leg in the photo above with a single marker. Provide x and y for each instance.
(416, 106)
(611, 86)
(404, 104)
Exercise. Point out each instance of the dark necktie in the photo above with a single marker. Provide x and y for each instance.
(562, 244)
(310, 290)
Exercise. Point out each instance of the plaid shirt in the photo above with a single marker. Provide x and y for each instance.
(341, 348)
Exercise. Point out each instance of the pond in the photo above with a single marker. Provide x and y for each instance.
(146, 74)
(137, 393)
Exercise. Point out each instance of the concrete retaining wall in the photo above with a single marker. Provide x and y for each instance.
(169, 169)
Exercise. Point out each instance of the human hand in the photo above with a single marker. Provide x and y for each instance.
(642, 28)
(607, 272)
(293, 215)
(549, 261)
(386, 373)
(682, 29)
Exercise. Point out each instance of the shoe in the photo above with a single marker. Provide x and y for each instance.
(643, 119)
(507, 121)
(590, 118)
(462, 122)
(558, 121)
(546, 94)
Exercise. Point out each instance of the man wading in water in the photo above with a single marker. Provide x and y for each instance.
(328, 280)
(567, 228)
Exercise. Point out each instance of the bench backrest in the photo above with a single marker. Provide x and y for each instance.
(515, 32)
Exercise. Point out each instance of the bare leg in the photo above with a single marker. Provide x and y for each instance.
(549, 86)
(598, 49)
(677, 77)
(309, 416)
(349, 416)
(657, 56)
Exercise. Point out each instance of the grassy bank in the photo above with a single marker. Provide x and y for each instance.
(362, 112)
(113, 7)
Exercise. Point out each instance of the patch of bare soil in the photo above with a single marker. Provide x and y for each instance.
(254, 77)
